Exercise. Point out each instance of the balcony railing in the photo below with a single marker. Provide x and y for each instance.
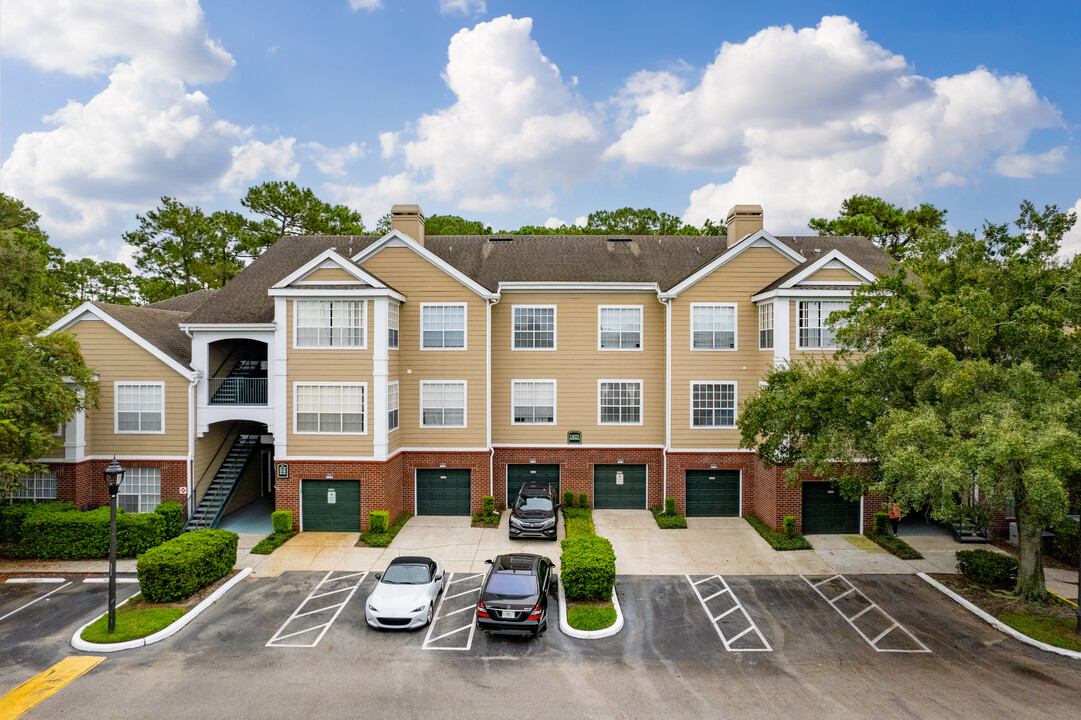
(238, 391)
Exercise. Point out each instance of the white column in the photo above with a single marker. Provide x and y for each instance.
(75, 437)
(782, 331)
(380, 365)
(200, 362)
(277, 372)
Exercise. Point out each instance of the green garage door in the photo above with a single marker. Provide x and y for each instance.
(713, 493)
(442, 491)
(331, 505)
(619, 487)
(518, 475)
(825, 511)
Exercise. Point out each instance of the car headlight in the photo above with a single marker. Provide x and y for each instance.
(418, 609)
(372, 608)
(550, 522)
(515, 521)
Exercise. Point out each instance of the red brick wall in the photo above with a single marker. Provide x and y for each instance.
(476, 462)
(373, 492)
(576, 467)
(83, 483)
(773, 498)
(394, 481)
(679, 463)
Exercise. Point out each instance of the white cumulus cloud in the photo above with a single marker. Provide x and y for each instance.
(1026, 165)
(256, 159)
(365, 4)
(1071, 242)
(466, 7)
(332, 161)
(805, 118)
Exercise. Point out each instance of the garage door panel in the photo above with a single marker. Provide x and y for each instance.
(517, 475)
(825, 511)
(331, 505)
(443, 491)
(713, 493)
(619, 487)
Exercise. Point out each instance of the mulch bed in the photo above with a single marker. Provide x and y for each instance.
(998, 601)
(1048, 561)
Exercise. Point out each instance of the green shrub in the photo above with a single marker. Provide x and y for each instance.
(378, 521)
(879, 522)
(669, 506)
(272, 542)
(12, 517)
(383, 539)
(177, 569)
(488, 504)
(896, 546)
(790, 525)
(777, 540)
(568, 499)
(583, 500)
(282, 521)
(669, 521)
(173, 512)
(1064, 546)
(587, 568)
(74, 535)
(578, 521)
(987, 567)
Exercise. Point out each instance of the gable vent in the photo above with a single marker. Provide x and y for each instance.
(818, 251)
(500, 239)
(619, 239)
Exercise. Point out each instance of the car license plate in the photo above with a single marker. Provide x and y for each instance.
(506, 614)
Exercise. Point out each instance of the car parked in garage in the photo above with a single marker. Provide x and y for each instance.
(514, 596)
(533, 513)
(405, 595)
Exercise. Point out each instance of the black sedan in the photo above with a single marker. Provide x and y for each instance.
(514, 597)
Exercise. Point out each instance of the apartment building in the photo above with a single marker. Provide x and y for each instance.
(409, 373)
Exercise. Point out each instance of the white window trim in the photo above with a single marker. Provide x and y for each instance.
(139, 495)
(735, 327)
(465, 403)
(555, 400)
(813, 348)
(396, 384)
(735, 407)
(555, 330)
(772, 325)
(116, 407)
(641, 400)
(363, 314)
(397, 325)
(49, 475)
(297, 385)
(465, 326)
(641, 329)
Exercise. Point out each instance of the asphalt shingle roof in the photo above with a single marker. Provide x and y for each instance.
(161, 328)
(184, 303)
(858, 249)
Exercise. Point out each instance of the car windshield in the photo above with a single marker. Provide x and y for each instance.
(509, 585)
(407, 575)
(533, 502)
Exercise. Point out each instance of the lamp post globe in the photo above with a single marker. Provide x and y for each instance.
(114, 478)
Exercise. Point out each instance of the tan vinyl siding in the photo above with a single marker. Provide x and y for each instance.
(833, 275)
(58, 452)
(734, 282)
(316, 365)
(423, 282)
(115, 358)
(329, 275)
(576, 364)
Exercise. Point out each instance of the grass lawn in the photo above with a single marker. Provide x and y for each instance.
(131, 624)
(382, 540)
(591, 616)
(1057, 631)
(271, 542)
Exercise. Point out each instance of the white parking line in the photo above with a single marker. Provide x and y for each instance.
(851, 620)
(728, 642)
(23, 607)
(313, 595)
(15, 581)
(120, 581)
(439, 614)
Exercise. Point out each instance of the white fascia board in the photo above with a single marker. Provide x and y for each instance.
(803, 292)
(820, 263)
(314, 291)
(315, 263)
(394, 238)
(245, 327)
(556, 287)
(88, 308)
(745, 244)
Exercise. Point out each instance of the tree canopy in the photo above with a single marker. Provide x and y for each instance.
(288, 209)
(962, 375)
(892, 228)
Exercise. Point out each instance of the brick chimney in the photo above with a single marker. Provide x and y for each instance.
(743, 220)
(408, 220)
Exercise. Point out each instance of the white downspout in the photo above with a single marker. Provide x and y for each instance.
(192, 384)
(667, 394)
(488, 386)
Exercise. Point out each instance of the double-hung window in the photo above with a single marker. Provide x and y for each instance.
(330, 408)
(534, 402)
(765, 326)
(534, 327)
(140, 407)
(713, 327)
(37, 486)
(713, 405)
(141, 490)
(330, 323)
(815, 332)
(620, 327)
(442, 403)
(620, 402)
(392, 325)
(442, 327)
(392, 406)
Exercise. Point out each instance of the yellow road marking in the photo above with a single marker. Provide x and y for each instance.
(44, 684)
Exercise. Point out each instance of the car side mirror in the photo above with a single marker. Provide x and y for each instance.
(439, 576)
(559, 505)
(379, 576)
(488, 561)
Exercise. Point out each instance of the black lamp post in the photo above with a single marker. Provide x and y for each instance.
(114, 477)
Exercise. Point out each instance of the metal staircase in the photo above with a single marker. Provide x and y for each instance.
(245, 385)
(212, 505)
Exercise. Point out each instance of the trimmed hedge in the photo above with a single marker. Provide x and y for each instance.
(895, 546)
(987, 567)
(568, 499)
(177, 569)
(271, 542)
(378, 521)
(282, 521)
(587, 567)
(383, 539)
(583, 500)
(75, 535)
(879, 522)
(578, 521)
(12, 517)
(669, 506)
(173, 513)
(669, 521)
(789, 523)
(487, 504)
(778, 541)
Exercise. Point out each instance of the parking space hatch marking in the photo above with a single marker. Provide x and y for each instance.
(751, 626)
(440, 614)
(31, 693)
(872, 606)
(23, 607)
(300, 613)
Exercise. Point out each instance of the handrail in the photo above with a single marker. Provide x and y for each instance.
(213, 464)
(246, 390)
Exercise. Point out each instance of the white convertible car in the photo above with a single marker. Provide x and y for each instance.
(405, 595)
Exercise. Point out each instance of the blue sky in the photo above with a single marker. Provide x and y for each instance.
(537, 112)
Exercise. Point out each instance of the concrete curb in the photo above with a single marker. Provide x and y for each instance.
(79, 644)
(998, 624)
(566, 629)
